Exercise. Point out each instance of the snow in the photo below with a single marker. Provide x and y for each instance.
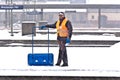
(18, 36)
(83, 61)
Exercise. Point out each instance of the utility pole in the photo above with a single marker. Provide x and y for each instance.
(11, 20)
(5, 22)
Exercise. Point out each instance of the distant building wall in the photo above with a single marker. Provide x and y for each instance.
(78, 19)
(110, 16)
(78, 1)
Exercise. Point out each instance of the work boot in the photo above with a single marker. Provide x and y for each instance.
(57, 64)
(64, 65)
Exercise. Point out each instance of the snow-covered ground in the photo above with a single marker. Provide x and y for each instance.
(83, 61)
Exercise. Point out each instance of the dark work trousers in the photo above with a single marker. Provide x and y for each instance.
(62, 52)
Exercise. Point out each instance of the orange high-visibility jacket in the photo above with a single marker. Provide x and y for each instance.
(62, 30)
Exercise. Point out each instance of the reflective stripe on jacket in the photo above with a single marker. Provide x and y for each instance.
(62, 30)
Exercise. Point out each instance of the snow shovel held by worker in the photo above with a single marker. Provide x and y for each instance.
(40, 59)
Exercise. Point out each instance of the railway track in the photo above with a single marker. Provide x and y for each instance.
(53, 43)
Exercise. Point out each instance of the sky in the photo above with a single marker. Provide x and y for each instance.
(103, 1)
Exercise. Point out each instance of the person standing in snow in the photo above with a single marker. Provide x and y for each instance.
(64, 34)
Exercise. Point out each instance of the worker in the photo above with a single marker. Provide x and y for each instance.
(64, 34)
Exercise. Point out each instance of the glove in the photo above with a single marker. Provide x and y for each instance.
(42, 27)
(67, 41)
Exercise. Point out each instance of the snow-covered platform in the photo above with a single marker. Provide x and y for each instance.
(82, 62)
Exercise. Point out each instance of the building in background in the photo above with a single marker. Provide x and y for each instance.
(81, 18)
(78, 1)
